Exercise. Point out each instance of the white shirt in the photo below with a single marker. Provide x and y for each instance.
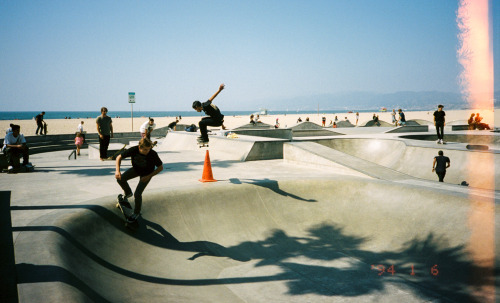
(80, 128)
(11, 140)
(145, 126)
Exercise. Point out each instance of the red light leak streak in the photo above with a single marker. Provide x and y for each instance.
(475, 54)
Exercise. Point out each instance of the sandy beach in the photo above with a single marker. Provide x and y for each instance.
(67, 126)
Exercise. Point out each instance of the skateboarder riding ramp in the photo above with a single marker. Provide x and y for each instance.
(343, 239)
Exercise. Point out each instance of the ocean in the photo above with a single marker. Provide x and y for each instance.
(126, 114)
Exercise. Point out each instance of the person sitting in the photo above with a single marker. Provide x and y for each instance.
(299, 120)
(251, 119)
(14, 145)
(471, 122)
(479, 124)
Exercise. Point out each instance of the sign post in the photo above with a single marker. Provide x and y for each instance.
(131, 100)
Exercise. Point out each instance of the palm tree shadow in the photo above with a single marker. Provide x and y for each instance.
(154, 234)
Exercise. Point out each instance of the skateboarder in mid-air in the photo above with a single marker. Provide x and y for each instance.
(145, 164)
(215, 118)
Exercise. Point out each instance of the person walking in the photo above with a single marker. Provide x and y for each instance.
(39, 123)
(402, 118)
(105, 131)
(440, 164)
(80, 130)
(439, 123)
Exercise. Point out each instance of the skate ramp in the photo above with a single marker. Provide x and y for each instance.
(260, 241)
(306, 126)
(416, 160)
(372, 123)
(242, 148)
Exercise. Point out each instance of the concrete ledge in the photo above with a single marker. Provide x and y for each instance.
(473, 138)
(280, 133)
(112, 149)
(459, 127)
(480, 169)
(8, 274)
(318, 155)
(244, 148)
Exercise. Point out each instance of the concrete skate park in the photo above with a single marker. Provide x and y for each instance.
(303, 214)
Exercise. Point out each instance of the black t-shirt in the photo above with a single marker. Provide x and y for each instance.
(441, 163)
(143, 164)
(39, 118)
(402, 116)
(439, 117)
(212, 110)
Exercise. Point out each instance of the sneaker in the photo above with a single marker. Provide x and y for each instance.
(10, 169)
(438, 141)
(133, 218)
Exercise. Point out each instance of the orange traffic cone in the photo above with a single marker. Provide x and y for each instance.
(207, 171)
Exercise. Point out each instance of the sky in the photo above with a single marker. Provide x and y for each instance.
(82, 55)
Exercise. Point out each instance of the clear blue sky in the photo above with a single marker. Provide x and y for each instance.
(81, 55)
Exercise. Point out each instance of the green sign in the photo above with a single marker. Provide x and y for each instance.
(131, 97)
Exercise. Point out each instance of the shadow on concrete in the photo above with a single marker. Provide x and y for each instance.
(440, 274)
(148, 232)
(272, 185)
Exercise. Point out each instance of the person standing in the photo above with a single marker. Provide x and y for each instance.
(440, 164)
(357, 118)
(323, 121)
(105, 131)
(39, 123)
(439, 123)
(393, 115)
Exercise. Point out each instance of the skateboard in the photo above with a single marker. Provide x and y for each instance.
(201, 143)
(113, 157)
(477, 147)
(20, 169)
(126, 210)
